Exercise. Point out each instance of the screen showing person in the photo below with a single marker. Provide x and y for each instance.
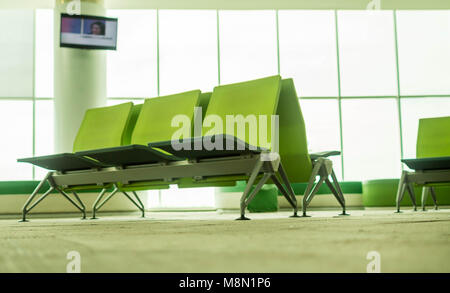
(88, 32)
(95, 27)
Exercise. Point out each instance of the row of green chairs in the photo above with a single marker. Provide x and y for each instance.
(128, 148)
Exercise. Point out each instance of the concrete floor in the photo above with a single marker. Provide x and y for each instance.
(212, 242)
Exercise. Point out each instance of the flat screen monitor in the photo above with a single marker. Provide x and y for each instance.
(88, 32)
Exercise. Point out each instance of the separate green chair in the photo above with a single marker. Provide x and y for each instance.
(432, 165)
(100, 128)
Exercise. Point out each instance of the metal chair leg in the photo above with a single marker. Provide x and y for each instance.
(401, 190)
(311, 182)
(96, 206)
(81, 208)
(246, 201)
(336, 195)
(289, 188)
(248, 187)
(433, 196)
(138, 204)
(285, 194)
(308, 197)
(339, 191)
(25, 209)
(410, 188)
(425, 191)
(81, 204)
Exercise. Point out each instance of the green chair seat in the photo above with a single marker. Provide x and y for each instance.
(101, 127)
(154, 124)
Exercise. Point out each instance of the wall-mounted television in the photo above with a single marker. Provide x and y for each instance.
(88, 32)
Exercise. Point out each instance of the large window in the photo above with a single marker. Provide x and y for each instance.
(322, 130)
(364, 78)
(16, 119)
(424, 52)
(248, 45)
(132, 68)
(371, 139)
(26, 44)
(187, 50)
(367, 53)
(16, 53)
(308, 51)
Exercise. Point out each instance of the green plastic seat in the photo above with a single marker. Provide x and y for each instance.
(255, 97)
(433, 145)
(103, 127)
(293, 148)
(155, 124)
(100, 128)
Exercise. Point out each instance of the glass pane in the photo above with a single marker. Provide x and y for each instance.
(16, 53)
(371, 139)
(322, 130)
(412, 111)
(424, 52)
(16, 120)
(44, 53)
(187, 197)
(44, 128)
(308, 51)
(367, 53)
(44, 138)
(188, 50)
(132, 69)
(248, 45)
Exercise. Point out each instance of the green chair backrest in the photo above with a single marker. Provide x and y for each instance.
(154, 123)
(292, 136)
(204, 102)
(433, 137)
(135, 111)
(267, 96)
(103, 127)
(255, 98)
(248, 100)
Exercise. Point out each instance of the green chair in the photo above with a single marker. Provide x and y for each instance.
(432, 166)
(100, 128)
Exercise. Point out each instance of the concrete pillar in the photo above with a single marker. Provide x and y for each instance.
(80, 79)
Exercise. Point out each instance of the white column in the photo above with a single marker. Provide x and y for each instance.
(80, 79)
